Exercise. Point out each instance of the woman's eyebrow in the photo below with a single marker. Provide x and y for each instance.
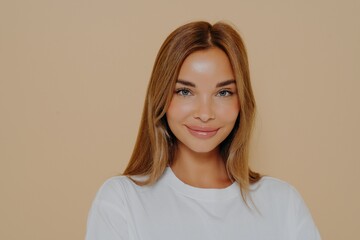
(220, 84)
(225, 83)
(186, 83)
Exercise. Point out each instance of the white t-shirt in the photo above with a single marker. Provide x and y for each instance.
(173, 210)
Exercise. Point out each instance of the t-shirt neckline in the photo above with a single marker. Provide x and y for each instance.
(206, 194)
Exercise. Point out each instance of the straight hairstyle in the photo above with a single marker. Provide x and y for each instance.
(156, 145)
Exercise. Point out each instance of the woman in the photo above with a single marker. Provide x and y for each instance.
(188, 177)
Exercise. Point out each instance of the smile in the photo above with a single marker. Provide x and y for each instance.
(202, 132)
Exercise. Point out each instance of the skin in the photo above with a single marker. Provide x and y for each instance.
(202, 113)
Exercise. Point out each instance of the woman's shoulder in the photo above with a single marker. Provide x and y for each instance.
(281, 200)
(113, 190)
(276, 189)
(272, 183)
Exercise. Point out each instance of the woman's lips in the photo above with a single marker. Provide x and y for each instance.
(202, 132)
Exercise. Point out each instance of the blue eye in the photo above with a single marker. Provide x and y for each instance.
(183, 92)
(224, 93)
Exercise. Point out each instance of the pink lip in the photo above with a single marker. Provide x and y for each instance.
(202, 132)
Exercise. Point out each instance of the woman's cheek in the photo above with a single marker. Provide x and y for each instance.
(228, 111)
(181, 107)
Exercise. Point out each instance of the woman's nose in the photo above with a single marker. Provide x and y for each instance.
(204, 109)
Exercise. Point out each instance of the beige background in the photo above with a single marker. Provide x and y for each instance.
(73, 76)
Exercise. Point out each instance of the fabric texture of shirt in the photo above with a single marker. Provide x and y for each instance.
(171, 209)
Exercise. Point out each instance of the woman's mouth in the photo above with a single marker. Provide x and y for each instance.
(202, 132)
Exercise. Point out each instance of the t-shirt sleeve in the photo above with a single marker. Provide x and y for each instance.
(106, 218)
(303, 226)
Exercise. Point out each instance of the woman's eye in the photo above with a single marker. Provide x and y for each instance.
(224, 93)
(183, 92)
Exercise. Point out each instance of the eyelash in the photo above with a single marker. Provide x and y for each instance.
(229, 93)
(181, 91)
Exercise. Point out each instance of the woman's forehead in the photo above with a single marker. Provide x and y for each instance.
(211, 65)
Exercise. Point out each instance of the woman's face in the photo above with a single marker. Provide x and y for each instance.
(205, 104)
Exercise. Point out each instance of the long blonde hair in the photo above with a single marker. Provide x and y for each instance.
(155, 144)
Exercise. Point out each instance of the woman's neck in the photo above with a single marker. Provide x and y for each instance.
(203, 170)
